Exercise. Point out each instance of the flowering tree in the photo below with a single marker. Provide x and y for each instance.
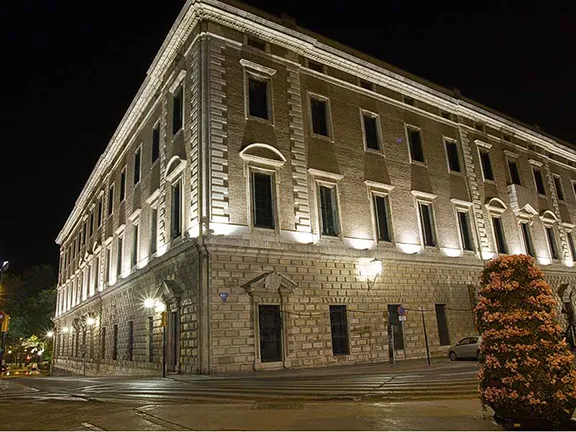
(526, 370)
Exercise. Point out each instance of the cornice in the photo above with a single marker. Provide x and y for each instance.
(293, 40)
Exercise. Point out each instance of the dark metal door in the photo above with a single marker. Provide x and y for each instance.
(270, 323)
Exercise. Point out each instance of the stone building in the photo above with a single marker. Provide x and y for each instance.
(281, 195)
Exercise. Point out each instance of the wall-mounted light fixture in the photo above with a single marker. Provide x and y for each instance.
(371, 271)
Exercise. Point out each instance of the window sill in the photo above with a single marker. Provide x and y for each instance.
(322, 137)
(418, 163)
(373, 151)
(456, 173)
(490, 181)
(178, 133)
(261, 120)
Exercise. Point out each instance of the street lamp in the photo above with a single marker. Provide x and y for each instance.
(50, 334)
(159, 307)
(87, 323)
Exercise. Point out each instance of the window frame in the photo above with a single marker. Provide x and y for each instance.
(155, 127)
(135, 247)
(498, 216)
(526, 243)
(328, 114)
(338, 224)
(248, 38)
(513, 159)
(551, 242)
(408, 127)
(363, 114)
(340, 309)
(428, 203)
(467, 211)
(442, 307)
(178, 89)
(252, 169)
(534, 170)
(571, 244)
(375, 221)
(137, 174)
(559, 187)
(122, 194)
(178, 181)
(448, 140)
(119, 255)
(153, 230)
(111, 193)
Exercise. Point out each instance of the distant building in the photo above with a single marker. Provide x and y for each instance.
(282, 195)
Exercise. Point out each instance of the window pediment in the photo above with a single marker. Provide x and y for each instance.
(263, 154)
(271, 283)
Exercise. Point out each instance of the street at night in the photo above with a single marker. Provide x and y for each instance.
(416, 396)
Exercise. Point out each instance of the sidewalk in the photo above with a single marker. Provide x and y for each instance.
(434, 415)
(437, 364)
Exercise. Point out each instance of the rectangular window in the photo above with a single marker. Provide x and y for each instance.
(319, 111)
(499, 234)
(539, 181)
(135, 244)
(453, 156)
(318, 67)
(446, 115)
(514, 173)
(551, 242)
(397, 328)
(256, 43)
(574, 187)
(427, 224)
(111, 200)
(115, 342)
(262, 200)
(96, 273)
(130, 340)
(177, 110)
(465, 231)
(409, 101)
(479, 127)
(176, 219)
(486, 165)
(123, 184)
(83, 235)
(91, 227)
(366, 85)
(558, 186)
(108, 264)
(382, 213)
(570, 237)
(258, 98)
(527, 239)
(155, 142)
(99, 214)
(150, 339)
(120, 252)
(442, 321)
(339, 329)
(153, 231)
(415, 143)
(137, 165)
(329, 211)
(371, 131)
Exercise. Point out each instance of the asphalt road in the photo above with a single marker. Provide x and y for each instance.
(409, 400)
(419, 385)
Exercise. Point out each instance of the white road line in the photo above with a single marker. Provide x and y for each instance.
(92, 427)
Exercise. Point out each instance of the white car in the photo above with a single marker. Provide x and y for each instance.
(469, 347)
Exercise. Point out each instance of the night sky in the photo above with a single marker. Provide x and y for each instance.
(69, 70)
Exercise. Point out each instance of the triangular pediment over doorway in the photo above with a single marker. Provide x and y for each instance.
(270, 283)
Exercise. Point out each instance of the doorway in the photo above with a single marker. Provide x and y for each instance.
(270, 324)
(173, 341)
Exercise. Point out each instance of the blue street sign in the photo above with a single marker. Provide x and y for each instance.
(224, 296)
(401, 310)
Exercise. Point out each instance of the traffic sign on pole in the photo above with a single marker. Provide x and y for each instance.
(401, 310)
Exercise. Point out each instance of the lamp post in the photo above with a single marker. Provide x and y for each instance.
(159, 307)
(50, 336)
(5, 319)
(88, 322)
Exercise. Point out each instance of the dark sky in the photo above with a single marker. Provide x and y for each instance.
(69, 70)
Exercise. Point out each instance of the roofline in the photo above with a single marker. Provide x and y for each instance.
(306, 43)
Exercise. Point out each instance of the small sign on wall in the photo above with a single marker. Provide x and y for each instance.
(223, 297)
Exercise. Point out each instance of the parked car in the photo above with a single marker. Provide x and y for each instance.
(469, 347)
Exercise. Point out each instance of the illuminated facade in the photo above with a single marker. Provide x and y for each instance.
(281, 195)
